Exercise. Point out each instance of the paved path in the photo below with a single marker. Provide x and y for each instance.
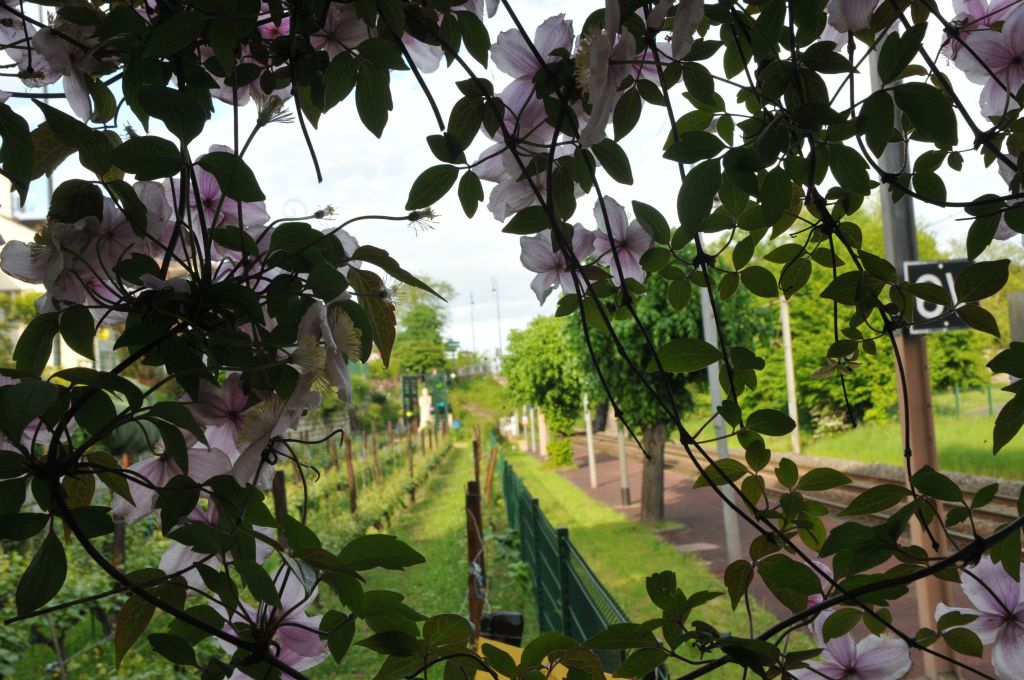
(694, 523)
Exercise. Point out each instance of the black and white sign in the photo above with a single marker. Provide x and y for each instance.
(927, 314)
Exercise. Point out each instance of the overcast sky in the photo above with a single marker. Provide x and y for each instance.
(366, 176)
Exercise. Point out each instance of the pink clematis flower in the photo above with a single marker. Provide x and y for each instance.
(221, 410)
(607, 61)
(550, 266)
(850, 16)
(203, 464)
(999, 607)
(71, 61)
(630, 239)
(216, 209)
(971, 16)
(513, 56)
(343, 30)
(999, 53)
(689, 14)
(179, 557)
(1005, 231)
(873, 658)
(295, 632)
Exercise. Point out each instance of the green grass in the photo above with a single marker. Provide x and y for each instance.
(436, 526)
(964, 445)
(622, 554)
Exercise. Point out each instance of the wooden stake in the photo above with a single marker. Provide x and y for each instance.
(351, 473)
(491, 463)
(476, 455)
(373, 452)
(477, 576)
(412, 489)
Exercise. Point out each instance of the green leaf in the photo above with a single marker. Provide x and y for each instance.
(471, 193)
(875, 121)
(685, 355)
(431, 186)
(614, 161)
(528, 221)
(379, 551)
(474, 36)
(1008, 422)
(174, 648)
(723, 471)
(653, 221)
(787, 473)
(695, 146)
(930, 112)
(24, 401)
(75, 199)
(446, 629)
(147, 157)
(341, 634)
(964, 641)
(981, 280)
(132, 622)
(875, 499)
(627, 113)
(640, 663)
(760, 281)
(175, 34)
(78, 329)
(849, 169)
(183, 115)
(380, 258)
(737, 578)
(696, 195)
(770, 422)
(235, 178)
(898, 51)
(44, 576)
(258, 581)
(35, 344)
(937, 485)
(17, 152)
(840, 623)
(373, 98)
(775, 194)
(822, 479)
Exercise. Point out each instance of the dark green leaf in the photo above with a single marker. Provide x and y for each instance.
(875, 499)
(684, 355)
(432, 184)
(78, 329)
(822, 479)
(44, 576)
(697, 194)
(235, 178)
(614, 161)
(770, 422)
(528, 221)
(981, 280)
(176, 33)
(147, 157)
(930, 112)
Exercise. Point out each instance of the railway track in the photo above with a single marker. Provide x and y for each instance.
(1002, 508)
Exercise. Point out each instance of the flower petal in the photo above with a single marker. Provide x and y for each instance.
(881, 658)
(989, 588)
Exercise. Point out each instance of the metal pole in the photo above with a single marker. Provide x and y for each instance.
(623, 471)
(472, 324)
(477, 573)
(591, 463)
(916, 418)
(497, 306)
(731, 525)
(1015, 301)
(787, 351)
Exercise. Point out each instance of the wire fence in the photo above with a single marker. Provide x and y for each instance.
(569, 597)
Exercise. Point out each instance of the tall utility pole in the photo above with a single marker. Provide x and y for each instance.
(472, 323)
(787, 351)
(732, 529)
(915, 404)
(497, 306)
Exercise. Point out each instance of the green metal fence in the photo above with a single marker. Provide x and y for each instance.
(569, 597)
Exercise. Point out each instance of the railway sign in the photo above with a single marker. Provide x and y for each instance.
(928, 316)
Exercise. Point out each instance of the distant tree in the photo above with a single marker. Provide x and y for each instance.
(667, 316)
(410, 297)
(541, 368)
(419, 346)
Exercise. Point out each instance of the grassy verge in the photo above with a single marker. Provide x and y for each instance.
(436, 526)
(622, 554)
(964, 445)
